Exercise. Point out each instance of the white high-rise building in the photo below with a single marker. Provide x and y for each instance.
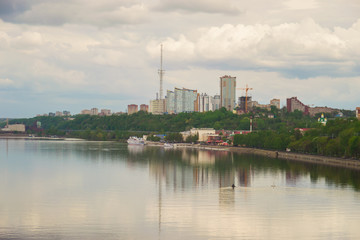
(205, 103)
(216, 102)
(182, 100)
(170, 102)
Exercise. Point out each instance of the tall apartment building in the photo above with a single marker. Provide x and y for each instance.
(182, 100)
(293, 104)
(144, 107)
(186, 100)
(205, 103)
(216, 102)
(132, 108)
(170, 102)
(227, 92)
(157, 106)
(358, 113)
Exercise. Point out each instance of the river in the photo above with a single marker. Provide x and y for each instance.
(107, 190)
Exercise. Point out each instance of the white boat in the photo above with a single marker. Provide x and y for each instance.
(169, 145)
(135, 141)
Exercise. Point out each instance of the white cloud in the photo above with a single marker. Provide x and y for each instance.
(107, 13)
(207, 6)
(301, 5)
(285, 46)
(108, 51)
(6, 82)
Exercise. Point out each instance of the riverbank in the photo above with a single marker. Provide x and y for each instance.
(330, 161)
(27, 137)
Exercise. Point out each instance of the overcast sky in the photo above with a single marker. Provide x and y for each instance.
(78, 54)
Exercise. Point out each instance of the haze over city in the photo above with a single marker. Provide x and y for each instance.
(76, 54)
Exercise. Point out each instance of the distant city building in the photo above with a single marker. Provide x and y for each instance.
(51, 114)
(85, 111)
(206, 103)
(358, 113)
(144, 107)
(170, 102)
(58, 114)
(242, 103)
(66, 113)
(203, 133)
(14, 128)
(216, 102)
(227, 92)
(105, 112)
(94, 111)
(293, 104)
(315, 110)
(186, 100)
(157, 106)
(182, 100)
(132, 108)
(275, 102)
(119, 113)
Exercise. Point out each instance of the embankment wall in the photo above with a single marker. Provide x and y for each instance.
(340, 162)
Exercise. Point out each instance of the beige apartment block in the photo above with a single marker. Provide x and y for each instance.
(157, 106)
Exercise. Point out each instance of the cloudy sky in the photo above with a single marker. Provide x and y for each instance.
(78, 54)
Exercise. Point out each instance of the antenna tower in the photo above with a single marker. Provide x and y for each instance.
(161, 72)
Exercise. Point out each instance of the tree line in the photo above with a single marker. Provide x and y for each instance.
(273, 129)
(338, 138)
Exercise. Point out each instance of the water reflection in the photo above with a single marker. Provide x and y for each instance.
(188, 168)
(92, 190)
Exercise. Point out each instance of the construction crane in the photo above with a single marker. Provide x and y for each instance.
(246, 95)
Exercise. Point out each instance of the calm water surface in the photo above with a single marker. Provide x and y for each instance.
(102, 190)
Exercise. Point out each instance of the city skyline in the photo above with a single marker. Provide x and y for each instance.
(76, 54)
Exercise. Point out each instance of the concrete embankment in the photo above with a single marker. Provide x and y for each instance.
(339, 162)
(331, 161)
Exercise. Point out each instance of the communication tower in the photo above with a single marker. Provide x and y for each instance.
(161, 72)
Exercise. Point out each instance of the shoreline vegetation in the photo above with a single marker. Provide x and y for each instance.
(275, 132)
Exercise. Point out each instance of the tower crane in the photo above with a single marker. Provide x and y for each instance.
(246, 95)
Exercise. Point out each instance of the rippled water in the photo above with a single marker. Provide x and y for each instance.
(102, 190)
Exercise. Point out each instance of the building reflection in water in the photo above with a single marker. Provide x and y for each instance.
(134, 149)
(291, 178)
(244, 177)
(189, 168)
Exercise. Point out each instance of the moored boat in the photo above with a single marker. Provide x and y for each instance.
(133, 140)
(169, 145)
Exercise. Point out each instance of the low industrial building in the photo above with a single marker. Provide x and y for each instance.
(14, 128)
